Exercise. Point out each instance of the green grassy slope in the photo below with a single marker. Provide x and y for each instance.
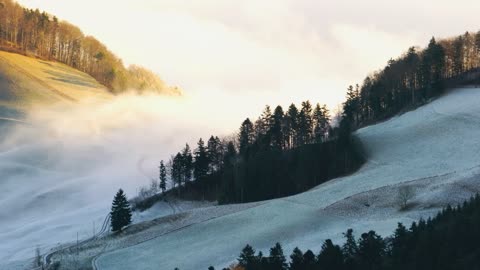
(26, 81)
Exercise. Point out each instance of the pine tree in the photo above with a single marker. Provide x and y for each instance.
(412, 61)
(351, 106)
(176, 170)
(276, 131)
(247, 258)
(458, 45)
(163, 177)
(309, 260)
(266, 121)
(246, 136)
(320, 122)
(121, 214)
(201, 163)
(350, 249)
(291, 127)
(187, 164)
(305, 124)
(277, 259)
(399, 244)
(331, 256)
(325, 123)
(296, 260)
(214, 153)
(371, 248)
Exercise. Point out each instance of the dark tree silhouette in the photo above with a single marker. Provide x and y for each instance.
(163, 176)
(330, 257)
(296, 260)
(277, 260)
(121, 213)
(201, 163)
(247, 258)
(246, 136)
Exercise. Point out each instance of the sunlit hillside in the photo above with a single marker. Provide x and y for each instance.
(26, 81)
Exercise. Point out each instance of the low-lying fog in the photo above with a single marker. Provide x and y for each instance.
(59, 172)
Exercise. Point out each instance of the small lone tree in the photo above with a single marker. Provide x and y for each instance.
(405, 194)
(163, 177)
(37, 261)
(121, 214)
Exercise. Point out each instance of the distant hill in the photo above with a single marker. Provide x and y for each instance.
(26, 81)
(41, 35)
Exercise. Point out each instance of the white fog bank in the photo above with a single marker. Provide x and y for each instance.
(59, 172)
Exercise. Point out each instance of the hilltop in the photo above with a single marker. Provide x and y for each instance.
(41, 35)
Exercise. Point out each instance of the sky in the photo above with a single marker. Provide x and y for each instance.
(251, 53)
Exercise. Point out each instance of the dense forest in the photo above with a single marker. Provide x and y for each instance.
(280, 154)
(449, 241)
(38, 34)
(287, 152)
(414, 78)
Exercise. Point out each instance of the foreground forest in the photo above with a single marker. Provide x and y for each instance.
(447, 241)
(38, 34)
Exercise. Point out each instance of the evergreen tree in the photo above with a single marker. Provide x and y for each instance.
(331, 256)
(321, 120)
(187, 164)
(120, 214)
(399, 245)
(247, 258)
(371, 248)
(309, 260)
(266, 121)
(350, 249)
(229, 187)
(176, 170)
(412, 61)
(246, 136)
(305, 124)
(437, 55)
(163, 177)
(291, 127)
(277, 129)
(277, 260)
(214, 153)
(458, 56)
(201, 163)
(296, 260)
(325, 123)
(351, 106)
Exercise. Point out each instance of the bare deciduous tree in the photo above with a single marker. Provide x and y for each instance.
(405, 194)
(37, 260)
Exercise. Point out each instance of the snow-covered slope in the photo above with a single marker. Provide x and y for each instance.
(435, 149)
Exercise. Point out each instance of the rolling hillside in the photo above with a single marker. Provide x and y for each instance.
(26, 81)
(433, 149)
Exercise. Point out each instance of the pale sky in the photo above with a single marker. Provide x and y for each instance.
(254, 53)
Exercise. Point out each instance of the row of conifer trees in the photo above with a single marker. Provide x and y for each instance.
(448, 241)
(280, 154)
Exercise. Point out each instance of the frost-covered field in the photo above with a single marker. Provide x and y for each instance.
(60, 169)
(58, 184)
(434, 149)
